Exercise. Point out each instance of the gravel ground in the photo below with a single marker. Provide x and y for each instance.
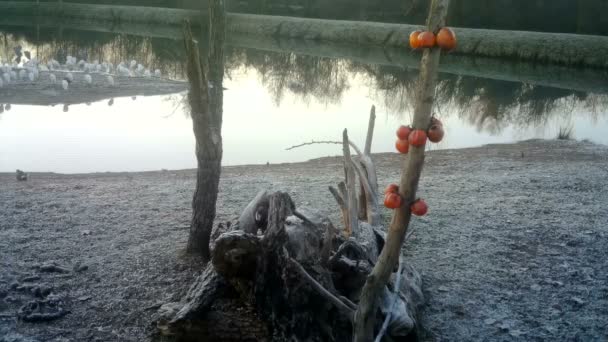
(514, 247)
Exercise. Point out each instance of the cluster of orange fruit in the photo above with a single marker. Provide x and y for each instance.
(407, 136)
(445, 39)
(393, 200)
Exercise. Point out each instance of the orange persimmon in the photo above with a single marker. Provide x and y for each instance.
(417, 138)
(392, 201)
(436, 133)
(426, 39)
(391, 188)
(403, 132)
(414, 43)
(419, 208)
(446, 39)
(402, 146)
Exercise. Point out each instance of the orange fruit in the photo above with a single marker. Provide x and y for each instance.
(417, 138)
(446, 39)
(426, 39)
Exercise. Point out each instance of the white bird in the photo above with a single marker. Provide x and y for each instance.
(123, 71)
(31, 76)
(110, 80)
(88, 79)
(55, 64)
(53, 78)
(140, 68)
(157, 73)
(69, 77)
(64, 84)
(147, 74)
(133, 64)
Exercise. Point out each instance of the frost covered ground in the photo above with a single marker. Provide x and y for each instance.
(515, 245)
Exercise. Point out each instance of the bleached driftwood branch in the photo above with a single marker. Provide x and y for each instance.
(316, 142)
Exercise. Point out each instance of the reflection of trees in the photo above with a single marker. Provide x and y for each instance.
(307, 77)
(394, 87)
(490, 105)
(154, 53)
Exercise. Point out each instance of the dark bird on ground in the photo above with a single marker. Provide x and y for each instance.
(21, 176)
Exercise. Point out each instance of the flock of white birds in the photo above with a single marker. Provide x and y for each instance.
(63, 74)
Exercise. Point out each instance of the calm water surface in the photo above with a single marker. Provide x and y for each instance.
(273, 100)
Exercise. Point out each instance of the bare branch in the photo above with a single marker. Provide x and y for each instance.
(353, 221)
(322, 291)
(330, 232)
(348, 302)
(340, 199)
(364, 181)
(343, 192)
(316, 142)
(371, 194)
(303, 217)
(337, 196)
(370, 131)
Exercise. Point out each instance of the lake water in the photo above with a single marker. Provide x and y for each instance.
(275, 99)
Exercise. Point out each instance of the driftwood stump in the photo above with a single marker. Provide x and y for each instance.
(277, 275)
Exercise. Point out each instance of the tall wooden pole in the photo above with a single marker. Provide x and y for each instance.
(410, 175)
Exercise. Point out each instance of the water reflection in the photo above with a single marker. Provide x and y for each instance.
(272, 86)
(311, 78)
(488, 104)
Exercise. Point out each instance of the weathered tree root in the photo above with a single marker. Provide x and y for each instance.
(285, 285)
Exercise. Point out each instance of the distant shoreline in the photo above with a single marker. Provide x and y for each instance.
(556, 48)
(261, 165)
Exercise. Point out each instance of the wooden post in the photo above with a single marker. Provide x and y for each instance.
(410, 175)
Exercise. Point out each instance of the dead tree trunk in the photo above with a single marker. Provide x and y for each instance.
(206, 102)
(377, 280)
